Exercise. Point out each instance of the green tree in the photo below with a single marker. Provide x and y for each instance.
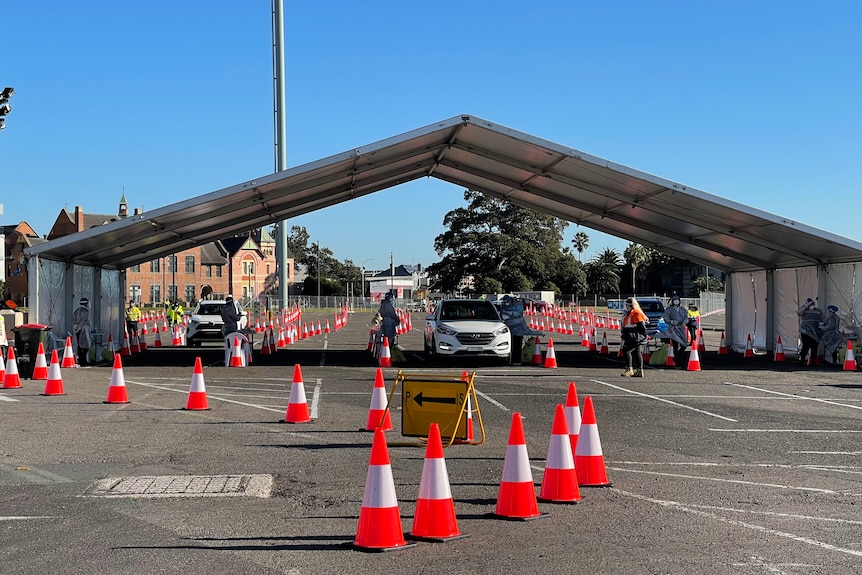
(703, 284)
(637, 256)
(581, 241)
(498, 243)
(603, 272)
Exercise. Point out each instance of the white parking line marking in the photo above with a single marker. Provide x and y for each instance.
(790, 430)
(315, 399)
(687, 509)
(719, 480)
(4, 398)
(631, 391)
(792, 395)
(23, 518)
(216, 398)
(491, 401)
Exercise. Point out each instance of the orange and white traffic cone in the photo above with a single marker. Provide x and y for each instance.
(779, 351)
(54, 383)
(326, 328)
(749, 350)
(537, 353)
(722, 345)
(645, 353)
(370, 340)
(701, 345)
(40, 368)
(197, 400)
(136, 344)
(379, 527)
(593, 346)
(68, 355)
(551, 357)
(516, 498)
(297, 405)
(849, 358)
(271, 342)
(2, 369)
(693, 358)
(157, 338)
(585, 340)
(385, 354)
(573, 416)
(176, 340)
(589, 459)
(434, 518)
(671, 360)
(11, 379)
(142, 337)
(560, 481)
(604, 348)
(117, 387)
(110, 347)
(378, 414)
(237, 357)
(125, 350)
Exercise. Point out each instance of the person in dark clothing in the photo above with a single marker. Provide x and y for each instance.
(230, 315)
(634, 334)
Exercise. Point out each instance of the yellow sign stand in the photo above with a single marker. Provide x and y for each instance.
(447, 400)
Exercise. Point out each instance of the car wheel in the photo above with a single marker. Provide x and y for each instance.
(431, 353)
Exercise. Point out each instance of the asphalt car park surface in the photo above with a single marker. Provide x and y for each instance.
(747, 466)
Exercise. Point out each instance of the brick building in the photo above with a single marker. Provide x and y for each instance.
(244, 266)
(17, 239)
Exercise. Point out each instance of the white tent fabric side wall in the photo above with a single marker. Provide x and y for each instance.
(748, 314)
(792, 288)
(59, 287)
(837, 284)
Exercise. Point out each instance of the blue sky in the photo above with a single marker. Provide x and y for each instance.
(758, 101)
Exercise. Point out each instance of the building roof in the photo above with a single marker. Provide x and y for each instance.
(477, 154)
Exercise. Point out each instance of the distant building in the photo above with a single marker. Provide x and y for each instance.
(17, 239)
(407, 282)
(243, 266)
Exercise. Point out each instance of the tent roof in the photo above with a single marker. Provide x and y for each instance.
(476, 154)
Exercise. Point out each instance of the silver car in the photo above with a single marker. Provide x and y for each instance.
(206, 323)
(467, 327)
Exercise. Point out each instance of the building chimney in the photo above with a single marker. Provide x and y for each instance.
(79, 219)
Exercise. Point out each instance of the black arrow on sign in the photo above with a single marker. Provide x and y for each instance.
(419, 399)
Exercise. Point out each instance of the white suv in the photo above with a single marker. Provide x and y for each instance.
(205, 322)
(466, 327)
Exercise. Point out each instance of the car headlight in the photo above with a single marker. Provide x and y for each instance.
(501, 331)
(445, 330)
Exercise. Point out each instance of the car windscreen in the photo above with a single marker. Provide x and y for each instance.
(468, 310)
(652, 306)
(210, 309)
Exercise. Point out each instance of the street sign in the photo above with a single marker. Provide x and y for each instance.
(427, 402)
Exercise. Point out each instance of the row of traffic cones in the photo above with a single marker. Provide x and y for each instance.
(380, 528)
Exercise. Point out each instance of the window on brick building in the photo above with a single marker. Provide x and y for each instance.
(155, 265)
(208, 271)
(156, 294)
(136, 269)
(172, 263)
(190, 264)
(190, 293)
(218, 271)
(135, 293)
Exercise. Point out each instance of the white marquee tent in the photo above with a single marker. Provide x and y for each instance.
(772, 263)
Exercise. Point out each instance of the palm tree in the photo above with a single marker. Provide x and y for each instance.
(581, 242)
(637, 255)
(603, 271)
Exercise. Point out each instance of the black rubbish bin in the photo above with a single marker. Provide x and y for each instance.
(27, 339)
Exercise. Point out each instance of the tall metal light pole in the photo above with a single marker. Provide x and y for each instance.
(280, 140)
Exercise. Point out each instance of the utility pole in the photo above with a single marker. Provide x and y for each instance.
(280, 142)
